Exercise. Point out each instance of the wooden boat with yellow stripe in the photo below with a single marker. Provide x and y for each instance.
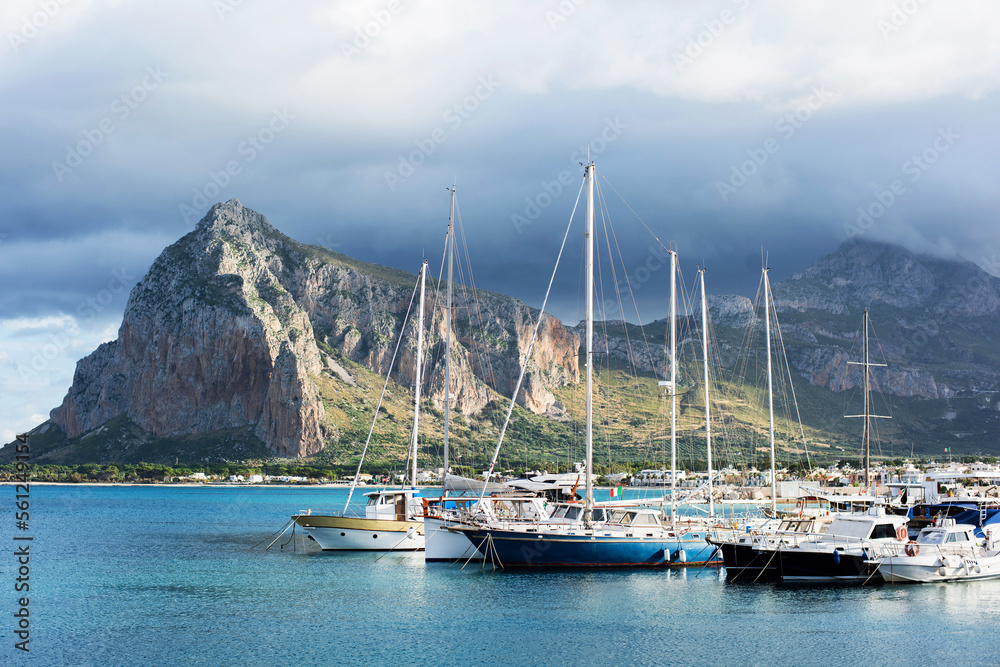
(393, 521)
(394, 518)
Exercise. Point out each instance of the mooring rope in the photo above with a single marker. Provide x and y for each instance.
(279, 534)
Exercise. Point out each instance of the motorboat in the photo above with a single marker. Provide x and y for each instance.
(748, 555)
(945, 551)
(393, 518)
(844, 553)
(393, 521)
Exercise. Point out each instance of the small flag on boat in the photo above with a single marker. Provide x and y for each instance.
(616, 491)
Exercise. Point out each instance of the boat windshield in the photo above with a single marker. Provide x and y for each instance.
(931, 537)
(645, 519)
(622, 517)
(884, 531)
(795, 526)
(844, 527)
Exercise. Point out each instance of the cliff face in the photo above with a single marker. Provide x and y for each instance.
(932, 321)
(235, 322)
(226, 331)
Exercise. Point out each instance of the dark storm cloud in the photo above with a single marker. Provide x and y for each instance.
(124, 122)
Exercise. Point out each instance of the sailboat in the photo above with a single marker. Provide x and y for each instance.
(460, 503)
(741, 552)
(604, 536)
(393, 519)
(845, 552)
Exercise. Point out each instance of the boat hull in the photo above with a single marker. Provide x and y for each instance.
(745, 563)
(442, 545)
(342, 533)
(916, 570)
(814, 566)
(524, 549)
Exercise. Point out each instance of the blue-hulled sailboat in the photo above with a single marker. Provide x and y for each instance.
(605, 536)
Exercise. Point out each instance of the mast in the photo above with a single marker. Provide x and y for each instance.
(673, 389)
(708, 421)
(589, 243)
(867, 417)
(770, 389)
(866, 364)
(416, 390)
(447, 341)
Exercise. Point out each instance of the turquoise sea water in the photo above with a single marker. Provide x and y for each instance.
(163, 575)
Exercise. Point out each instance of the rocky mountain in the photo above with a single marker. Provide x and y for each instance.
(242, 340)
(935, 320)
(235, 322)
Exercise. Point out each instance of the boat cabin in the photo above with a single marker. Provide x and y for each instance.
(949, 534)
(818, 524)
(393, 504)
(874, 524)
(635, 517)
(571, 513)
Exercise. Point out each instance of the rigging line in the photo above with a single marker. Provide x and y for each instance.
(491, 375)
(631, 366)
(635, 305)
(279, 534)
(791, 386)
(733, 456)
(714, 369)
(531, 344)
(385, 386)
(752, 397)
(635, 214)
(748, 338)
(437, 298)
(602, 402)
(884, 398)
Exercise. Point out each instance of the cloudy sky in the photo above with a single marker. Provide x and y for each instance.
(727, 126)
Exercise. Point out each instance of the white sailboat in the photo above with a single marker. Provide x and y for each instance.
(448, 510)
(460, 504)
(393, 519)
(741, 551)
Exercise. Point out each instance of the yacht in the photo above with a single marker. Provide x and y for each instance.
(945, 551)
(393, 521)
(748, 555)
(844, 553)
